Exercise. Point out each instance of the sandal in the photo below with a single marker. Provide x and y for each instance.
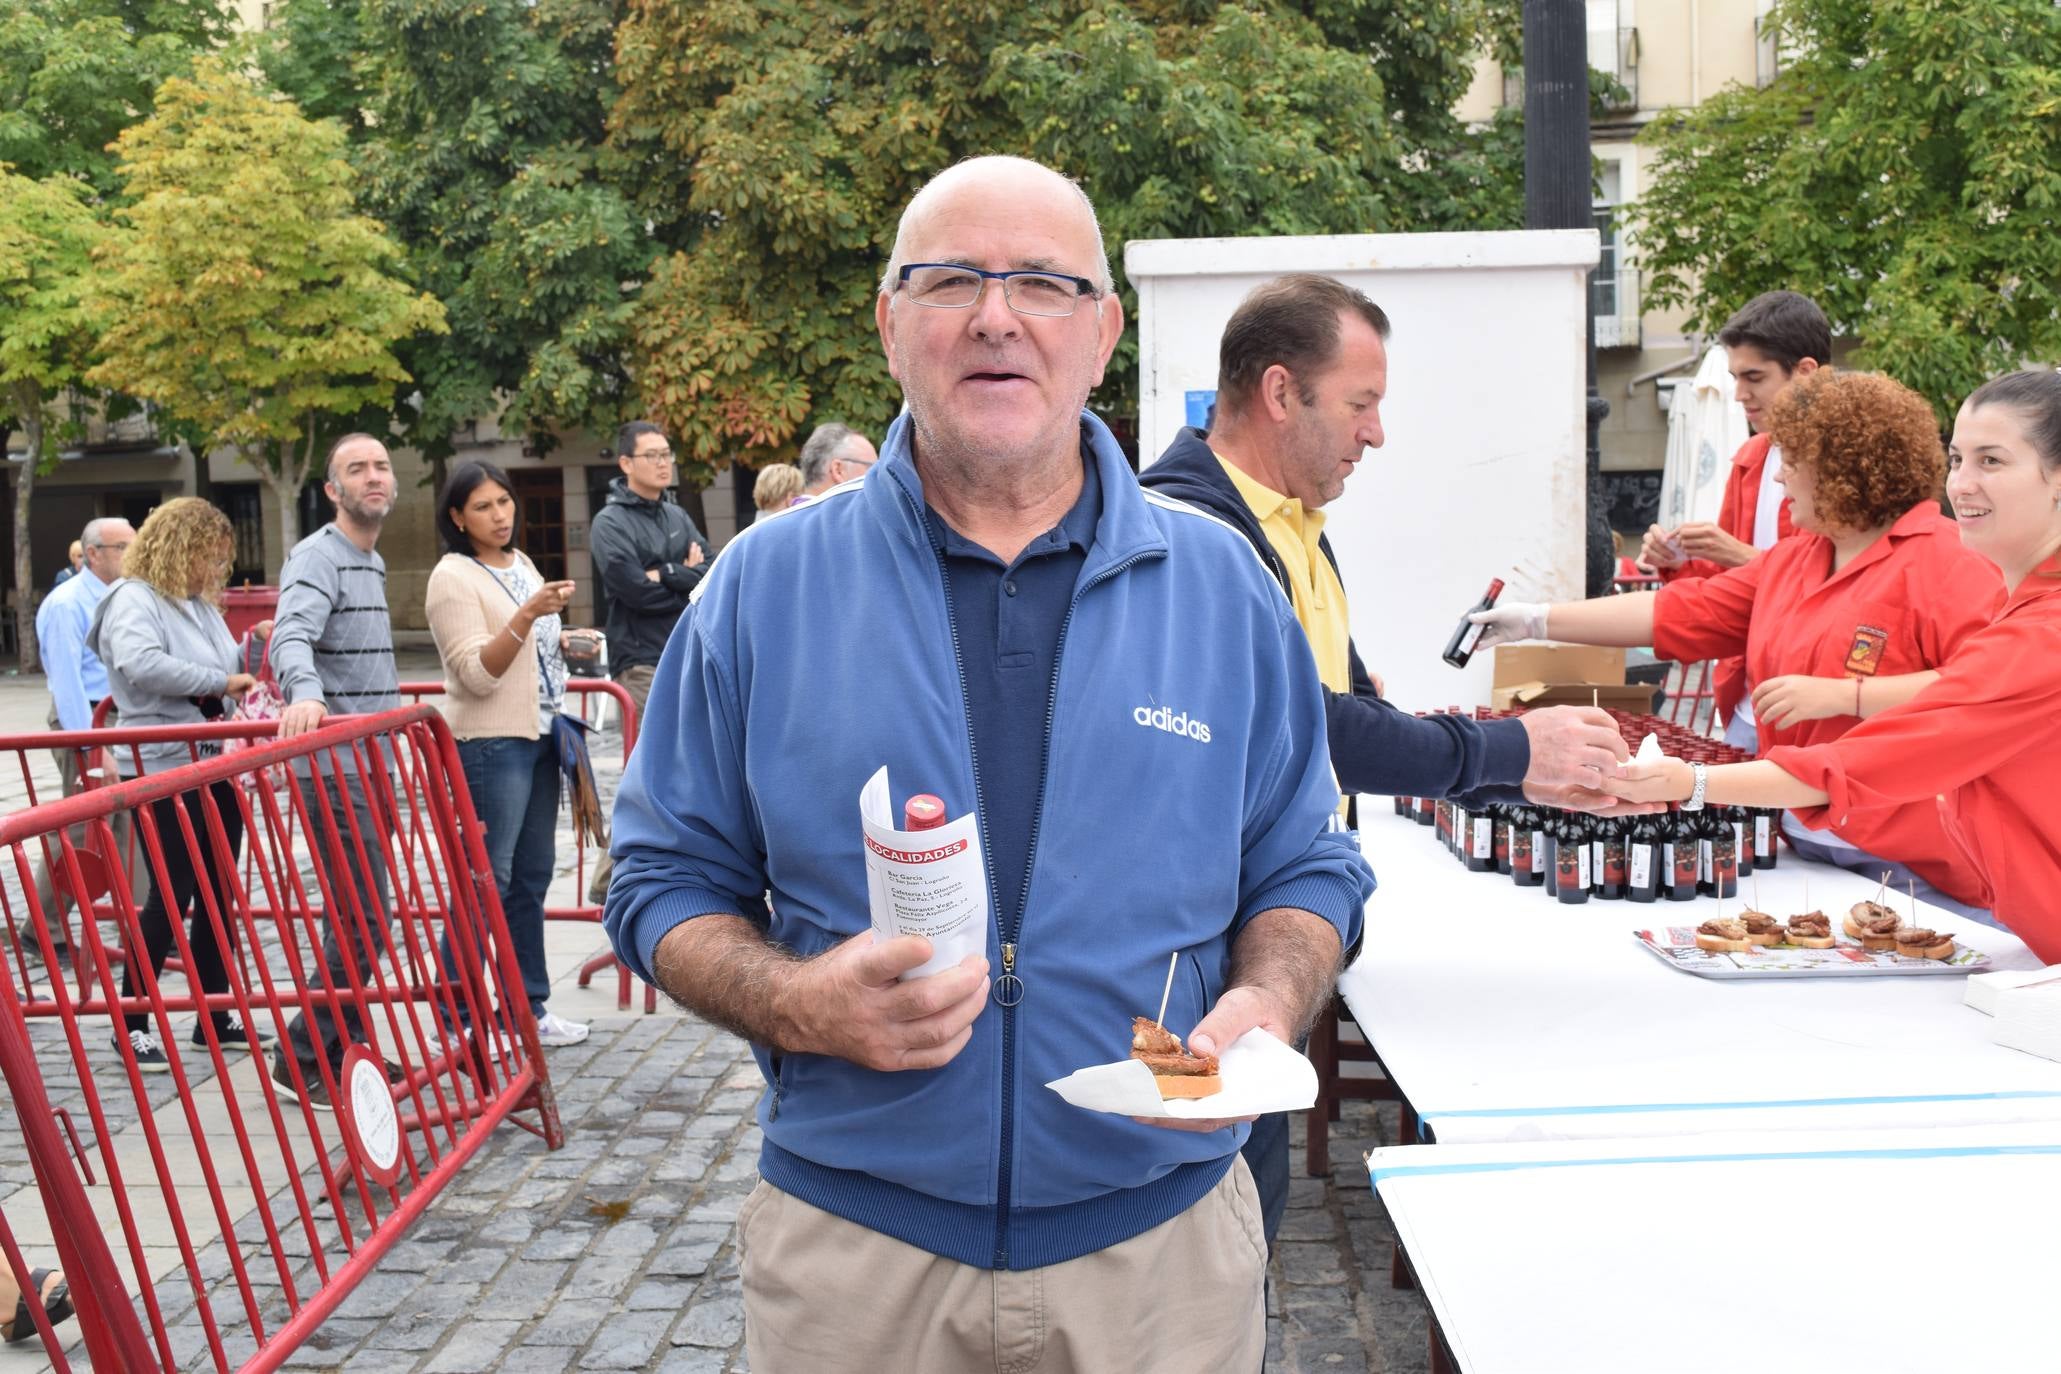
(57, 1305)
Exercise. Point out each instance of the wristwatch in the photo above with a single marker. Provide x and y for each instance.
(1702, 776)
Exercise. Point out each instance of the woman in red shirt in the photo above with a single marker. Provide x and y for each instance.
(1845, 619)
(1984, 738)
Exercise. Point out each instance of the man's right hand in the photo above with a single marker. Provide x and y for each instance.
(846, 1002)
(1657, 549)
(301, 717)
(1572, 746)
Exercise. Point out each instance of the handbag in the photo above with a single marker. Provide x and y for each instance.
(263, 702)
(569, 737)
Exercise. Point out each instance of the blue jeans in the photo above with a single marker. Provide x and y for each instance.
(514, 784)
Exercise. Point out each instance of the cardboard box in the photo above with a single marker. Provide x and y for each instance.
(1566, 675)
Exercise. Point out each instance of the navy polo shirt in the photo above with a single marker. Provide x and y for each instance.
(1008, 618)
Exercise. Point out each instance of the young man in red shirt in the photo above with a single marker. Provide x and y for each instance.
(1778, 337)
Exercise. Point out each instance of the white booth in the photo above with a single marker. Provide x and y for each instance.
(1482, 474)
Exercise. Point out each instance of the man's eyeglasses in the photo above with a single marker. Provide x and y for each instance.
(949, 286)
(656, 455)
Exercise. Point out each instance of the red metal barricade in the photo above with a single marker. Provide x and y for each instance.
(588, 692)
(232, 1211)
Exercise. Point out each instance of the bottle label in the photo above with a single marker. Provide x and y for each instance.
(1484, 839)
(1538, 845)
(1703, 864)
(1612, 871)
(1760, 835)
(1684, 865)
(1586, 875)
(1520, 849)
(1502, 842)
(1596, 857)
(1642, 865)
(1567, 869)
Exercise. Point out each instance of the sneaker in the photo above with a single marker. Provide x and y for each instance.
(316, 1097)
(554, 1032)
(235, 1036)
(150, 1055)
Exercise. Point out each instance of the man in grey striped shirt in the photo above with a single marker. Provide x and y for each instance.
(333, 651)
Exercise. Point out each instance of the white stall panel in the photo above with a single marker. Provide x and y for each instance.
(1482, 474)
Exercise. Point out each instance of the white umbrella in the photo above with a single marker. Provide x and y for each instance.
(1705, 427)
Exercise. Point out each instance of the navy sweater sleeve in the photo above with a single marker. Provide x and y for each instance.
(1377, 747)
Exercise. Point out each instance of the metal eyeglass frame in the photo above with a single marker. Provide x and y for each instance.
(1083, 288)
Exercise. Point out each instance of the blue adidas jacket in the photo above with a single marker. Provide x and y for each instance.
(820, 647)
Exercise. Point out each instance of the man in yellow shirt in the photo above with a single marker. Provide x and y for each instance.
(1302, 371)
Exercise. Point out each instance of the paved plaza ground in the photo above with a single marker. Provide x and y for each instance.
(617, 1252)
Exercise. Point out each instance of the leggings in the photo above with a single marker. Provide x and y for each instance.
(185, 867)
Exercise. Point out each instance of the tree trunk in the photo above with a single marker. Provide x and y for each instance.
(28, 404)
(288, 496)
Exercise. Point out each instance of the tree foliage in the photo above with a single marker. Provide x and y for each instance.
(77, 72)
(248, 297)
(478, 126)
(1904, 171)
(47, 238)
(777, 143)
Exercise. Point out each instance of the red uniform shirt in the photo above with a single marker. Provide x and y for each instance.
(1985, 740)
(1904, 604)
(1736, 512)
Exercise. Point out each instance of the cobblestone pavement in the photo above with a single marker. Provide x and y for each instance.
(618, 1251)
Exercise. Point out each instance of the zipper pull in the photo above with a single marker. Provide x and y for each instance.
(1008, 990)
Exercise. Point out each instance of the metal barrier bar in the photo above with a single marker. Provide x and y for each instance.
(1691, 688)
(360, 872)
(584, 688)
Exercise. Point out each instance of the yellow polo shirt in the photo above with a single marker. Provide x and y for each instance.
(1312, 582)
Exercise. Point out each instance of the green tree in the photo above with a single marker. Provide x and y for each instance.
(478, 127)
(75, 73)
(47, 238)
(1904, 171)
(777, 142)
(249, 298)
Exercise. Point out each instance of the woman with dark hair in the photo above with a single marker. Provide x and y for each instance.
(1984, 737)
(1848, 617)
(172, 661)
(496, 624)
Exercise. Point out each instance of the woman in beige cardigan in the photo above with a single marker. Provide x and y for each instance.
(496, 624)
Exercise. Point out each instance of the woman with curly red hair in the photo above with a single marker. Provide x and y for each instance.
(1984, 736)
(1846, 618)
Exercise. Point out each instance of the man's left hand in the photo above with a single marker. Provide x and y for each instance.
(1574, 797)
(1236, 1012)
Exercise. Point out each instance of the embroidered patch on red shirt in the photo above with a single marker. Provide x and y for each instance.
(1869, 644)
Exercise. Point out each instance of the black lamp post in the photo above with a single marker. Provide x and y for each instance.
(1557, 196)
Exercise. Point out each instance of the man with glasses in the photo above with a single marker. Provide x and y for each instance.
(1114, 687)
(649, 556)
(78, 680)
(833, 455)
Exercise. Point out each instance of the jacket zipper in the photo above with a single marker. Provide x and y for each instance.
(1010, 938)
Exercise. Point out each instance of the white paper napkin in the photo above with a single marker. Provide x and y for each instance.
(1649, 750)
(2029, 1019)
(1984, 989)
(1259, 1073)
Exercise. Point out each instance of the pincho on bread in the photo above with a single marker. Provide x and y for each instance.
(1761, 928)
(1875, 930)
(1723, 935)
(1812, 930)
(1177, 1072)
(1916, 942)
(1872, 921)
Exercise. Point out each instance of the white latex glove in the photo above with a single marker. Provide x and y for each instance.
(1510, 622)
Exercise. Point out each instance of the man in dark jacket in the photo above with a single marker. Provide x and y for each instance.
(650, 557)
(1302, 369)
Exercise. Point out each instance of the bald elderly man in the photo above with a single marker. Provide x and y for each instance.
(1113, 684)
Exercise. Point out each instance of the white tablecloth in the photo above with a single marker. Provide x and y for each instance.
(1919, 1251)
(1504, 1015)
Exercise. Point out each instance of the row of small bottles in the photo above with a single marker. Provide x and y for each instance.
(1672, 856)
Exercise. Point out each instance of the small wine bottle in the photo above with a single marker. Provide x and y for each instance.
(1461, 646)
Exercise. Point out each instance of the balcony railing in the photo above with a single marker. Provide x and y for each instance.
(1616, 299)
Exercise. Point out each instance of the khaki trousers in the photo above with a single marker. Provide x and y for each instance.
(637, 682)
(822, 1294)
